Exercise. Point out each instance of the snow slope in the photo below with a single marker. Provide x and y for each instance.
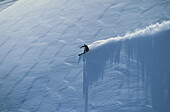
(40, 70)
(148, 48)
(6, 3)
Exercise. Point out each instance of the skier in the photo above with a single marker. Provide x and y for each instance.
(86, 49)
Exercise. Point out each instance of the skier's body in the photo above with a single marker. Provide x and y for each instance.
(86, 49)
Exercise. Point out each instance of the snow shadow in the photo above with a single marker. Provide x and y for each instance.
(94, 64)
(149, 47)
(152, 52)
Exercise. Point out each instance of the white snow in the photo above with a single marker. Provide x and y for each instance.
(150, 30)
(149, 47)
(126, 70)
(6, 3)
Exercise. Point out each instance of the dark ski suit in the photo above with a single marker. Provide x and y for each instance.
(86, 49)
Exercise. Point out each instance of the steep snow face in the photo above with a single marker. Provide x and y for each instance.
(150, 30)
(39, 45)
(154, 59)
(149, 48)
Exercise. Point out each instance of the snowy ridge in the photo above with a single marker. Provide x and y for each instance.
(39, 42)
(147, 47)
(150, 30)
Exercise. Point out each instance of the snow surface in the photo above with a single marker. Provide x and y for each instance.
(6, 3)
(40, 70)
(149, 47)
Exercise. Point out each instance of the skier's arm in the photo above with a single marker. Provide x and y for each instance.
(82, 46)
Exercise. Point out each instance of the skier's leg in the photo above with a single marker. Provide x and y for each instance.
(81, 54)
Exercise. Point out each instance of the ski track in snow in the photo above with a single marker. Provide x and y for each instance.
(39, 71)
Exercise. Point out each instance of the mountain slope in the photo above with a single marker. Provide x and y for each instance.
(39, 45)
(6, 3)
(145, 52)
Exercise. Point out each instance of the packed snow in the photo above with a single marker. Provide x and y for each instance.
(127, 68)
(150, 30)
(6, 3)
(149, 47)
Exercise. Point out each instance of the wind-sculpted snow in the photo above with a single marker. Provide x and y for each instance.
(152, 29)
(152, 53)
(6, 3)
(95, 62)
(149, 47)
(39, 45)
